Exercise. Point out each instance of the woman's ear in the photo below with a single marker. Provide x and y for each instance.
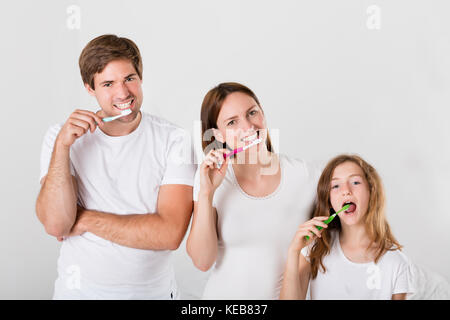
(218, 136)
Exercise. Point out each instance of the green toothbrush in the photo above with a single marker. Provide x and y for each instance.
(330, 218)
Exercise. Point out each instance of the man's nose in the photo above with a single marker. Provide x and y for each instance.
(122, 91)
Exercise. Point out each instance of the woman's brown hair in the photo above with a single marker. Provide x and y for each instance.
(376, 224)
(104, 49)
(211, 106)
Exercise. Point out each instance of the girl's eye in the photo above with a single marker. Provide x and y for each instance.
(356, 182)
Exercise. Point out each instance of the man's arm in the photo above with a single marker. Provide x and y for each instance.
(56, 205)
(162, 230)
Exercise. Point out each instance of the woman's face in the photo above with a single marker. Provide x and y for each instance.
(349, 185)
(240, 121)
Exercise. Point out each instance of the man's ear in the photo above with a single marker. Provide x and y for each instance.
(218, 136)
(89, 89)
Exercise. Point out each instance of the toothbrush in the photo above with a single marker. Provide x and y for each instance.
(331, 218)
(242, 148)
(123, 113)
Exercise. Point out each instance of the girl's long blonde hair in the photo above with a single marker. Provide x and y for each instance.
(375, 221)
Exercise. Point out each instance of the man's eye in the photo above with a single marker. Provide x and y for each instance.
(107, 85)
(129, 79)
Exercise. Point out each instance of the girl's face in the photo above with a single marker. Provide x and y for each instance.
(240, 121)
(349, 185)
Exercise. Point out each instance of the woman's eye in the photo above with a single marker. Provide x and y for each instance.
(230, 123)
(335, 186)
(253, 112)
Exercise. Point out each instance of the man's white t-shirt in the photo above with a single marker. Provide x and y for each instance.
(347, 280)
(254, 233)
(120, 175)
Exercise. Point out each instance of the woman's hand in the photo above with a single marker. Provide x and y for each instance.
(210, 176)
(307, 229)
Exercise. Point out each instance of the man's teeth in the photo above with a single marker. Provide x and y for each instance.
(123, 105)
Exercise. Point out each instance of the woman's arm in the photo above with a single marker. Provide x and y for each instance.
(202, 241)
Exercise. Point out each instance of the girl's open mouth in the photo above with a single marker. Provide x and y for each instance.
(351, 209)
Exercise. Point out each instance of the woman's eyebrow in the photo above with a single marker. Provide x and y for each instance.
(233, 117)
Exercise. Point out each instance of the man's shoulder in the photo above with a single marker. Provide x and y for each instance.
(157, 122)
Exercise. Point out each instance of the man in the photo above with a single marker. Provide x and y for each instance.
(117, 194)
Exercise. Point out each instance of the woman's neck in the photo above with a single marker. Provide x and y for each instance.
(258, 168)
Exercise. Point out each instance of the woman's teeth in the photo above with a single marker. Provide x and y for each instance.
(250, 138)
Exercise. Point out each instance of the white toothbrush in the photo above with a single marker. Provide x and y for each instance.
(122, 114)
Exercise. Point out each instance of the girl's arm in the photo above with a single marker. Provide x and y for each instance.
(399, 296)
(298, 270)
(296, 277)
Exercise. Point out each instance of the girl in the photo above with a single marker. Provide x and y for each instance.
(355, 256)
(246, 211)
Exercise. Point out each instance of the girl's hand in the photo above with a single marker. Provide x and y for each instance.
(307, 229)
(210, 176)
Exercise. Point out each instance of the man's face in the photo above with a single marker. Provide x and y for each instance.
(118, 87)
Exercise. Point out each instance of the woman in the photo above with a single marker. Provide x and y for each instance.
(356, 256)
(246, 207)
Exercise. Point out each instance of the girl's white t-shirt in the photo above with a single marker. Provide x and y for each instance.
(254, 233)
(347, 280)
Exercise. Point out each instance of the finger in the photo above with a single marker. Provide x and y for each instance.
(314, 230)
(88, 118)
(76, 130)
(97, 118)
(80, 123)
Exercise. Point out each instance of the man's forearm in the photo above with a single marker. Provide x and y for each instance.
(141, 231)
(56, 206)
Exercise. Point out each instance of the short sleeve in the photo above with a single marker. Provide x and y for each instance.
(306, 251)
(196, 184)
(403, 282)
(180, 167)
(47, 150)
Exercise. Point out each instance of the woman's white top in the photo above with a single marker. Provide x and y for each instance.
(254, 233)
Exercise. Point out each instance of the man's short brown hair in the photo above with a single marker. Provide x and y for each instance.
(104, 49)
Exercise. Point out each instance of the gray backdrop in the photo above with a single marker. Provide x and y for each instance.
(366, 77)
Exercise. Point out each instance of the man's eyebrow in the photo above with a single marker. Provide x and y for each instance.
(111, 81)
(353, 175)
(106, 81)
(233, 117)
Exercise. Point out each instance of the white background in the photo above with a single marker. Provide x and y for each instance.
(328, 82)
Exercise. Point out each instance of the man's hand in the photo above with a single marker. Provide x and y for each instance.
(79, 122)
(78, 227)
